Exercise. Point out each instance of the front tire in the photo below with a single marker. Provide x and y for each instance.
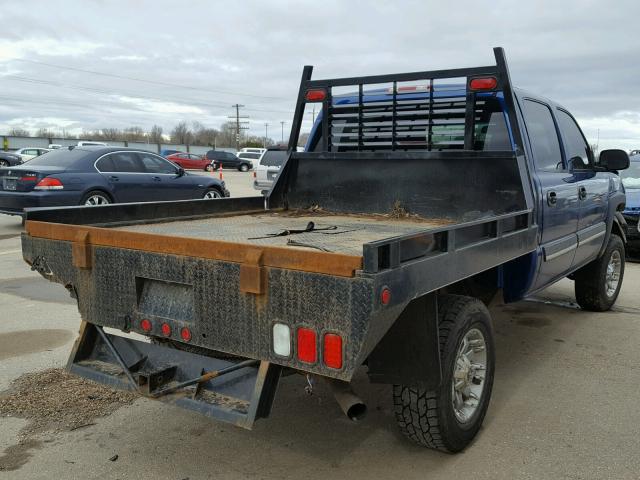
(598, 283)
(212, 194)
(448, 418)
(4, 163)
(244, 167)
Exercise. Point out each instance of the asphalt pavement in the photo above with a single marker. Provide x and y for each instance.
(565, 402)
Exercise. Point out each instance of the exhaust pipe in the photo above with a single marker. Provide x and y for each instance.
(352, 406)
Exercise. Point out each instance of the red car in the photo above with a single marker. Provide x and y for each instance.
(190, 161)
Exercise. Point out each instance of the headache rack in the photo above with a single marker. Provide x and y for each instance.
(419, 111)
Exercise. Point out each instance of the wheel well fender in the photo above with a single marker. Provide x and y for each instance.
(98, 189)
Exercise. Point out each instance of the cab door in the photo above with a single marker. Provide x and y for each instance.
(557, 194)
(592, 186)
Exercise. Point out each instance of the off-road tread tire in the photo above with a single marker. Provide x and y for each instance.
(589, 280)
(417, 411)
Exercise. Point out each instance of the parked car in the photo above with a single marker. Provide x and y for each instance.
(8, 159)
(91, 143)
(191, 161)
(252, 150)
(268, 168)
(98, 176)
(54, 146)
(165, 152)
(631, 182)
(229, 160)
(28, 153)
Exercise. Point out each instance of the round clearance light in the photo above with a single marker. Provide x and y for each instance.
(166, 329)
(145, 325)
(185, 334)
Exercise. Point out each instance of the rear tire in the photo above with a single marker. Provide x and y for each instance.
(447, 419)
(95, 198)
(209, 168)
(4, 163)
(598, 283)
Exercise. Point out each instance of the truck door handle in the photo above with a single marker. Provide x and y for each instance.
(582, 193)
(156, 179)
(114, 178)
(552, 198)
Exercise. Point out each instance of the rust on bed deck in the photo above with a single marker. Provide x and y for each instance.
(268, 256)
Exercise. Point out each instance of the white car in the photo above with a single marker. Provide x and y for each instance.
(54, 146)
(268, 168)
(252, 150)
(83, 143)
(28, 153)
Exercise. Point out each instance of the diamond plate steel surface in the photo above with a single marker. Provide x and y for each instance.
(220, 316)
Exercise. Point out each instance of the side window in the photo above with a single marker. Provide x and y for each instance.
(229, 156)
(490, 127)
(543, 136)
(126, 162)
(576, 148)
(154, 164)
(105, 164)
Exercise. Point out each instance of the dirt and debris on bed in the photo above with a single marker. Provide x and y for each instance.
(313, 228)
(54, 400)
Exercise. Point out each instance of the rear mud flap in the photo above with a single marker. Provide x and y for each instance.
(237, 392)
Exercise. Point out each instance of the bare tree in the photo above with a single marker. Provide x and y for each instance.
(203, 135)
(134, 134)
(19, 132)
(155, 135)
(181, 134)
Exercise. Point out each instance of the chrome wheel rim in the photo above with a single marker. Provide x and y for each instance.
(95, 200)
(212, 194)
(4, 163)
(244, 168)
(209, 168)
(612, 275)
(467, 384)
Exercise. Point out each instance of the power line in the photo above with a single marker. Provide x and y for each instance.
(102, 91)
(143, 80)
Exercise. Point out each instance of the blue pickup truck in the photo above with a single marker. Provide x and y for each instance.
(421, 199)
(631, 183)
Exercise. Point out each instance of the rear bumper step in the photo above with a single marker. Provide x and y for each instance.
(231, 391)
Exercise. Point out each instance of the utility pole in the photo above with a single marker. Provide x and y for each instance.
(282, 128)
(239, 123)
(266, 134)
(313, 116)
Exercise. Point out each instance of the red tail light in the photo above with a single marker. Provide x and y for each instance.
(185, 334)
(166, 329)
(49, 183)
(385, 296)
(307, 350)
(315, 95)
(483, 83)
(332, 351)
(145, 324)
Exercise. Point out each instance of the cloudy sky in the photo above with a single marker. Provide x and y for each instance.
(93, 64)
